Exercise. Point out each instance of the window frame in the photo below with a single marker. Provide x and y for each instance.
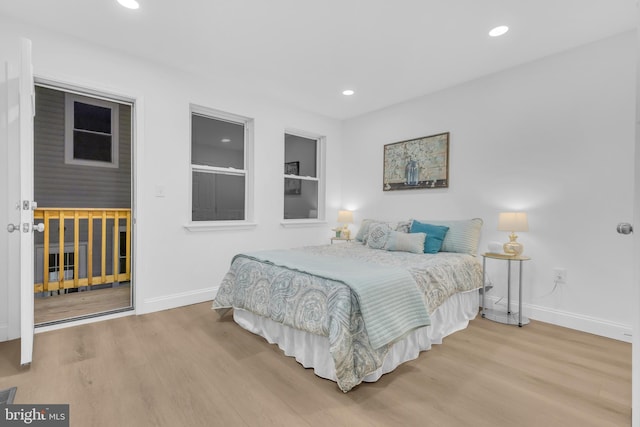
(319, 178)
(69, 100)
(247, 172)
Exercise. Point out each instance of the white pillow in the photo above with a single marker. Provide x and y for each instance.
(406, 242)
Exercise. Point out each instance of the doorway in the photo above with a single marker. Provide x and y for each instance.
(83, 189)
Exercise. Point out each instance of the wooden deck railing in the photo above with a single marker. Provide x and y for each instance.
(84, 217)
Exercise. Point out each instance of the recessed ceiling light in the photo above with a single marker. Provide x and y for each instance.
(498, 31)
(129, 4)
(348, 92)
(225, 140)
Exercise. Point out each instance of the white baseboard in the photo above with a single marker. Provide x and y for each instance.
(4, 332)
(165, 302)
(593, 325)
(580, 322)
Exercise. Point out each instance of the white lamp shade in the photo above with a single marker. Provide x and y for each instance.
(345, 217)
(513, 221)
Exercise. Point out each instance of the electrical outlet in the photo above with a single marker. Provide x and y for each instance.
(560, 275)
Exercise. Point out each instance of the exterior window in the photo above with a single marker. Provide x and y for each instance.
(302, 184)
(91, 131)
(219, 172)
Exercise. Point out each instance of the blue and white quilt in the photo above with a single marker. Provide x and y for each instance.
(323, 290)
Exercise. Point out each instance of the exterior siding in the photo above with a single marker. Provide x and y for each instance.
(57, 184)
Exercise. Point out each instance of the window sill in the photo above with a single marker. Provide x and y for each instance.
(291, 223)
(218, 226)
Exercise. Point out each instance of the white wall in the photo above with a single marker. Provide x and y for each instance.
(172, 265)
(553, 138)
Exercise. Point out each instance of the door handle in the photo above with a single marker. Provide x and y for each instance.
(625, 228)
(25, 227)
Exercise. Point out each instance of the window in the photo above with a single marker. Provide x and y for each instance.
(91, 131)
(219, 172)
(302, 176)
(55, 266)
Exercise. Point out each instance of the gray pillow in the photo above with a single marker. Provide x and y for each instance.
(378, 234)
(363, 232)
(403, 226)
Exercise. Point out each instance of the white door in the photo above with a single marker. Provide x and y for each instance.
(635, 360)
(27, 111)
(17, 118)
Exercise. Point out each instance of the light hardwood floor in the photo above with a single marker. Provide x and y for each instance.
(186, 367)
(76, 304)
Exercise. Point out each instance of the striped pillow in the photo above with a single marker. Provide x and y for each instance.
(406, 242)
(463, 235)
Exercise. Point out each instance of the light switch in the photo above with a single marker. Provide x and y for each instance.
(159, 190)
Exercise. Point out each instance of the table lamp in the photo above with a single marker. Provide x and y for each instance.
(345, 218)
(513, 221)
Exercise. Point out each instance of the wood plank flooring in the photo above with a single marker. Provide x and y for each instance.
(76, 304)
(187, 367)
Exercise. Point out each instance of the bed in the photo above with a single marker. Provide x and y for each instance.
(355, 311)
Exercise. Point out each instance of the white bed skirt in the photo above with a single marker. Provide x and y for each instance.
(312, 351)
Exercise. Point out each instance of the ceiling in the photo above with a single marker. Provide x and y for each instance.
(303, 53)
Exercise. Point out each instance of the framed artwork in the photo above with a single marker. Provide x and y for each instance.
(417, 163)
(292, 186)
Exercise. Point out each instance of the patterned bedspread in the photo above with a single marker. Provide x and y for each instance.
(326, 307)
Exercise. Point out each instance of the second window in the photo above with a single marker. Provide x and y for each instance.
(301, 180)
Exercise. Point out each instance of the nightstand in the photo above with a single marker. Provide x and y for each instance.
(509, 317)
(340, 239)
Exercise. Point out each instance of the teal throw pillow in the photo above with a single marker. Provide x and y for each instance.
(435, 235)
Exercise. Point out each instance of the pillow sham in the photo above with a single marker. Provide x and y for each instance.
(405, 242)
(363, 231)
(403, 226)
(435, 235)
(378, 234)
(463, 235)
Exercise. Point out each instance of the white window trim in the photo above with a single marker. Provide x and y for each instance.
(69, 99)
(219, 225)
(301, 223)
(302, 178)
(319, 178)
(247, 172)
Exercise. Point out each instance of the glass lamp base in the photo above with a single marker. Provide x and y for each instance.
(513, 248)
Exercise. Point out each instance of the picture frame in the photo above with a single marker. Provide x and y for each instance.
(292, 187)
(417, 163)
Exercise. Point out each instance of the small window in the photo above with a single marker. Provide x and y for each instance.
(58, 270)
(91, 131)
(302, 183)
(219, 173)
